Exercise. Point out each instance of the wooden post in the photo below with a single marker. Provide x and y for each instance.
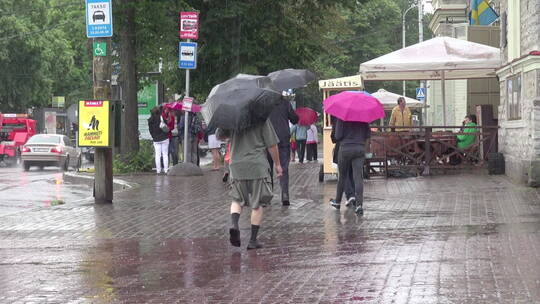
(427, 150)
(103, 157)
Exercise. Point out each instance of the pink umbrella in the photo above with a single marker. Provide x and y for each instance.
(177, 105)
(354, 106)
(307, 116)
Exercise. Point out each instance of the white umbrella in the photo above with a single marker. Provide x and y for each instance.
(389, 99)
(438, 58)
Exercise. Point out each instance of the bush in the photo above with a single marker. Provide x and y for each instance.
(141, 161)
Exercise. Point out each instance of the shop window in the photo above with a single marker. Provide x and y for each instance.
(513, 97)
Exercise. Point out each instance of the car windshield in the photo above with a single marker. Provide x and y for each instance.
(44, 139)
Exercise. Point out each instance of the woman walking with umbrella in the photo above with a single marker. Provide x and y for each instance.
(354, 111)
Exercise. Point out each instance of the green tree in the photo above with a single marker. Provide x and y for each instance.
(38, 54)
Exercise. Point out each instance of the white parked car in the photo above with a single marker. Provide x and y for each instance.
(50, 150)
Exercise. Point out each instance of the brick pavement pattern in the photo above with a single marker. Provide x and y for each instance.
(468, 238)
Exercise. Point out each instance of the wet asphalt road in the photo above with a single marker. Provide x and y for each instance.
(20, 190)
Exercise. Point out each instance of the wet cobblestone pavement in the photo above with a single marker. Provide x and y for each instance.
(446, 239)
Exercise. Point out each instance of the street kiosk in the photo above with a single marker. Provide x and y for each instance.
(330, 87)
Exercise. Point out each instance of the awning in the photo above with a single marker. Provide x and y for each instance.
(438, 58)
(459, 59)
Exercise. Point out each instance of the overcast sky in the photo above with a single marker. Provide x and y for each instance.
(427, 6)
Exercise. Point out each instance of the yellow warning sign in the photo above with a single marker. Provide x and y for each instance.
(94, 123)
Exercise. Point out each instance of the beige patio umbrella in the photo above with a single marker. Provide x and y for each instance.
(389, 100)
(439, 58)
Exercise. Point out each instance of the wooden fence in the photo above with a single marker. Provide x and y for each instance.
(420, 149)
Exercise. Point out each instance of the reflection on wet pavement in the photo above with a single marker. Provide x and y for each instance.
(20, 190)
(166, 242)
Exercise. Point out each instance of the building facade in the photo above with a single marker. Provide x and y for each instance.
(519, 80)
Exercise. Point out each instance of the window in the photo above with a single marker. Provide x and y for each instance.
(513, 97)
(44, 139)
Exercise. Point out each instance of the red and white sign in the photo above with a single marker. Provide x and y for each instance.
(189, 25)
(93, 103)
(187, 103)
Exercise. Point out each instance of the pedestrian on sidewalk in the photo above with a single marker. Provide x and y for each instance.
(300, 134)
(293, 144)
(250, 175)
(348, 186)
(159, 132)
(311, 143)
(194, 130)
(214, 145)
(281, 117)
(352, 137)
(170, 116)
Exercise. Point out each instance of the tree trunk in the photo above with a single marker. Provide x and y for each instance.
(128, 80)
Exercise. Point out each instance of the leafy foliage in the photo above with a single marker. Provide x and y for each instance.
(140, 161)
(43, 52)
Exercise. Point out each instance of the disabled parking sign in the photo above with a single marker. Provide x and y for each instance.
(99, 18)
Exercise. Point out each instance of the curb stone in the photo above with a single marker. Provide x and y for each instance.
(88, 179)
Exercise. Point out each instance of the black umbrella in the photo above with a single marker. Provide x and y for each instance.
(291, 78)
(240, 102)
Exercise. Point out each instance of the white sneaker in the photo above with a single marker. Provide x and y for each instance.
(350, 201)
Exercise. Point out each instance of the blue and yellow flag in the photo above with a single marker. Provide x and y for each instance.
(482, 13)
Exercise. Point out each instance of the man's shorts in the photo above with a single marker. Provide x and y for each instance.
(252, 192)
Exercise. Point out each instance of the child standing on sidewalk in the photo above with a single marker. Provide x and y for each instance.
(311, 143)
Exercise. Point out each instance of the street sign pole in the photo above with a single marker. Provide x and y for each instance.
(186, 118)
(99, 26)
(103, 158)
(189, 29)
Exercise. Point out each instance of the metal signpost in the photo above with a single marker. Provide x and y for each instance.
(99, 27)
(189, 29)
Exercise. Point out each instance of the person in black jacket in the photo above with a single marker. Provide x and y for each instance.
(352, 137)
(161, 140)
(280, 118)
(349, 181)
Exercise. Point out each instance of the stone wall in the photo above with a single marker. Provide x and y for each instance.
(513, 141)
(530, 25)
(519, 140)
(504, 48)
